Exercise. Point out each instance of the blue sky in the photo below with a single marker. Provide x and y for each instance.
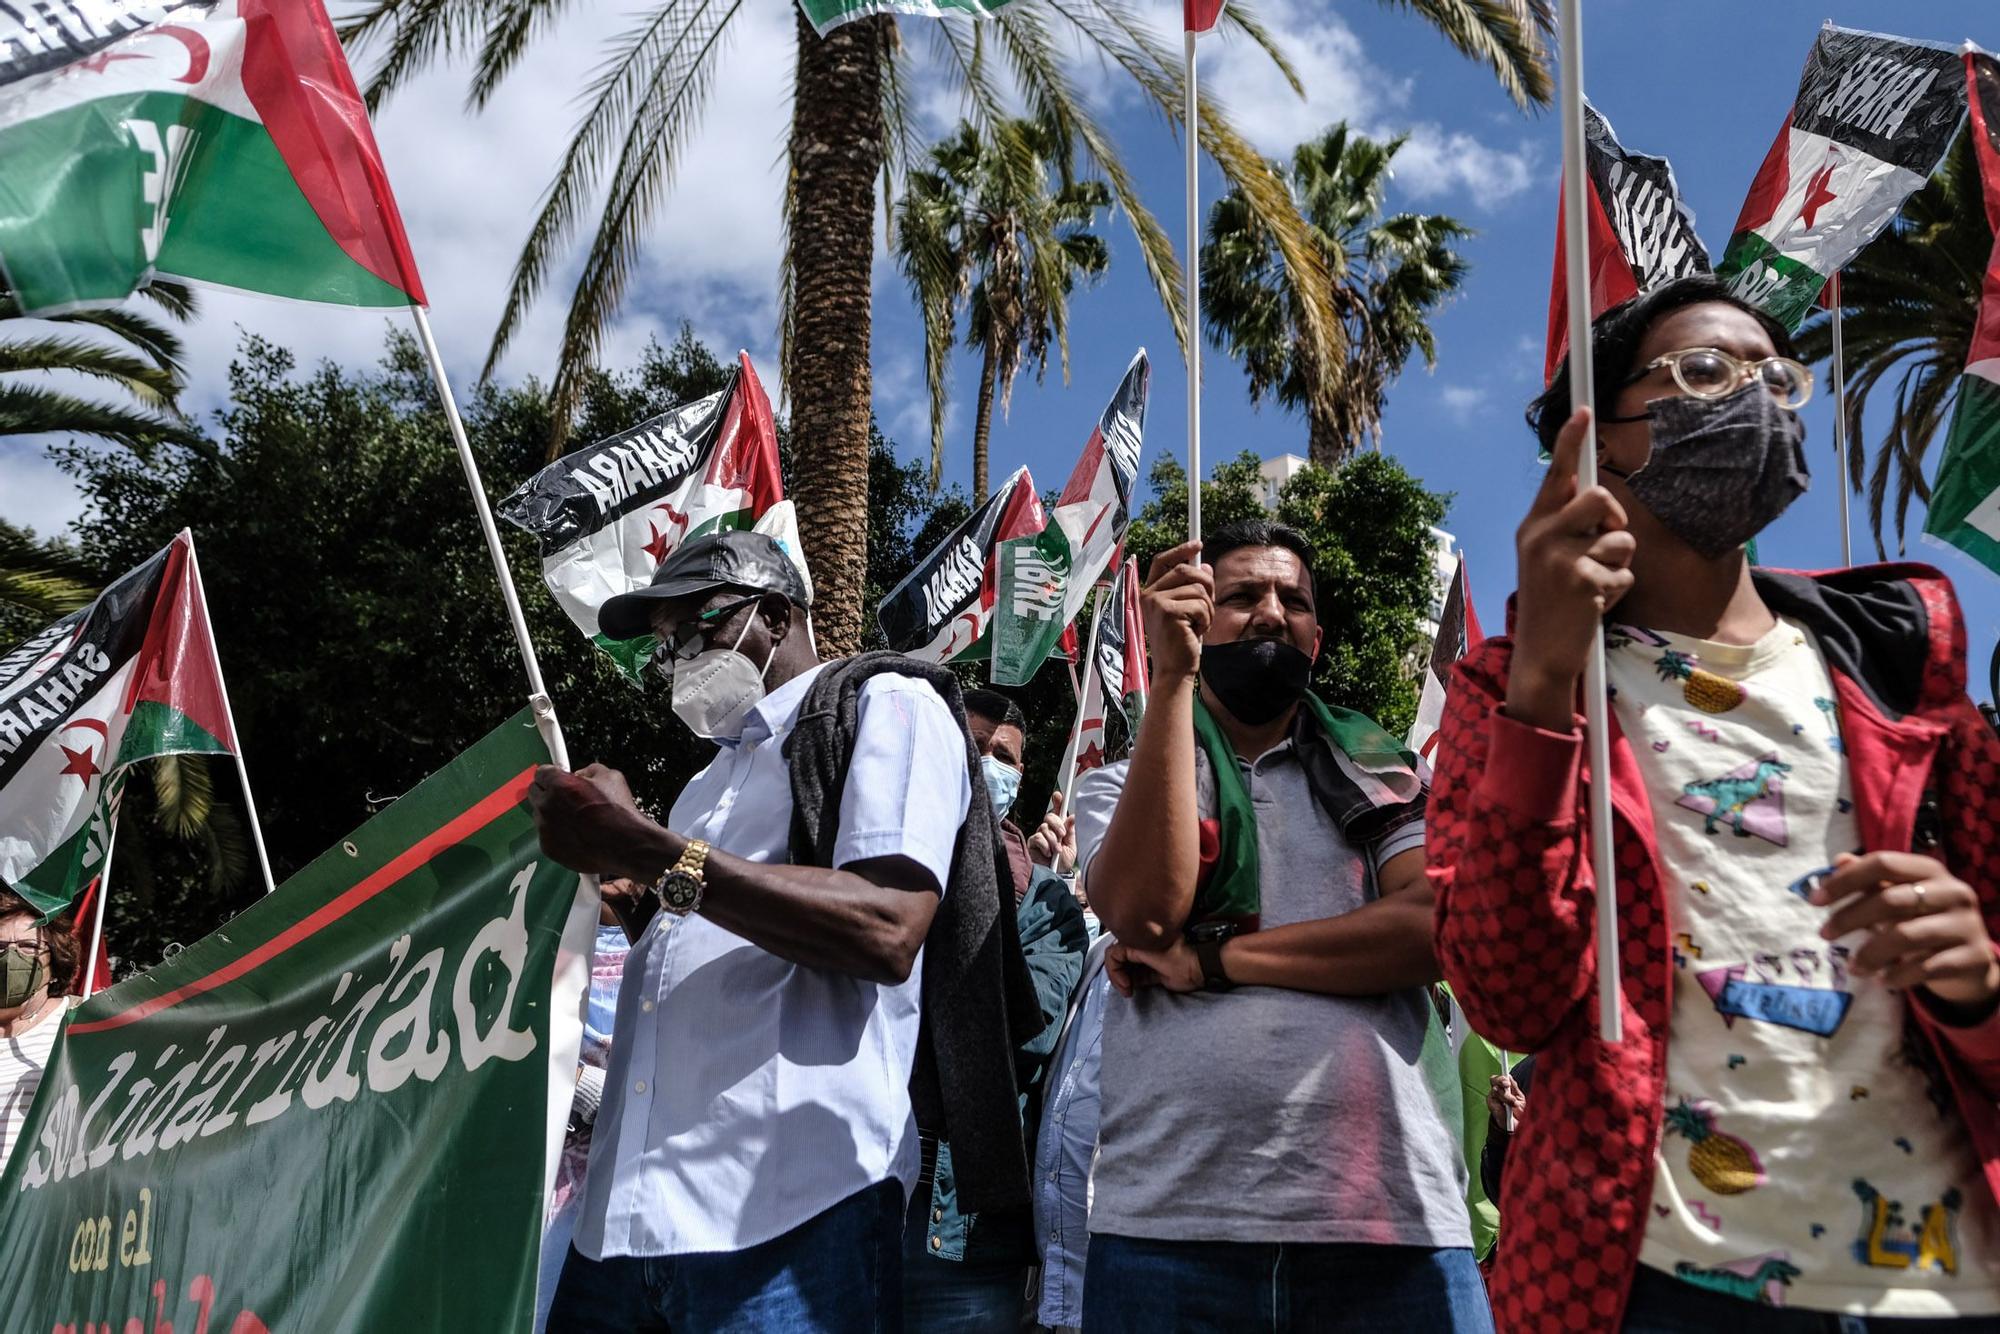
(1702, 82)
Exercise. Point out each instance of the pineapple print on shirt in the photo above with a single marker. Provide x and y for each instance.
(1787, 1084)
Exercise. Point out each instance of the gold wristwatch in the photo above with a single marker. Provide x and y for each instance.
(679, 888)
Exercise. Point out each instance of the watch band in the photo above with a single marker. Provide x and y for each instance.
(1208, 950)
(679, 888)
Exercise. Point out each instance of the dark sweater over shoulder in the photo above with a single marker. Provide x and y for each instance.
(979, 1000)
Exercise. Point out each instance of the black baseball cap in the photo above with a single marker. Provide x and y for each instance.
(738, 558)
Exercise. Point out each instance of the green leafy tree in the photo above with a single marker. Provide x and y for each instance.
(41, 580)
(1369, 523)
(1909, 302)
(1388, 274)
(133, 353)
(979, 226)
(852, 118)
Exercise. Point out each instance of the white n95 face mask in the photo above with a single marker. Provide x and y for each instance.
(715, 691)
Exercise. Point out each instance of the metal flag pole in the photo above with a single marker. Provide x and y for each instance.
(1067, 777)
(97, 917)
(539, 702)
(236, 740)
(1840, 418)
(1596, 703)
(1191, 287)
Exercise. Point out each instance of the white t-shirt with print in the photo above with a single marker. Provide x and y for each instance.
(23, 1057)
(1808, 1158)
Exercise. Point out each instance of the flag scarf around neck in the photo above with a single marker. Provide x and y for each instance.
(1965, 500)
(1873, 118)
(826, 15)
(1373, 773)
(943, 608)
(286, 1125)
(1458, 634)
(607, 515)
(131, 676)
(217, 141)
(1641, 234)
(1045, 579)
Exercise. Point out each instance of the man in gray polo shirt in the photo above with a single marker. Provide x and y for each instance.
(1271, 1154)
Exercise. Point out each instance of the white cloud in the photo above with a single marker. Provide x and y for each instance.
(33, 492)
(1463, 401)
(1436, 164)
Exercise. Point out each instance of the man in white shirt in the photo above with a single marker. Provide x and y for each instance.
(756, 1145)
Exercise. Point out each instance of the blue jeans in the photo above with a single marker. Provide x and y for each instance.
(1135, 1286)
(1663, 1304)
(840, 1272)
(956, 1296)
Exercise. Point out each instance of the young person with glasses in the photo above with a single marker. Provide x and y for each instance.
(1798, 1131)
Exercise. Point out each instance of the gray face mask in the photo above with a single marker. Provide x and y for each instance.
(1722, 468)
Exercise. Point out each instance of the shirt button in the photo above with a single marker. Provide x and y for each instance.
(937, 1215)
(937, 1244)
(639, 1087)
(646, 1006)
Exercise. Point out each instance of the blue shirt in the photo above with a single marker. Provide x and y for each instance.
(747, 1094)
(1065, 1149)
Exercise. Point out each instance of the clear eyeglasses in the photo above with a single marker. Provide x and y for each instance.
(1707, 372)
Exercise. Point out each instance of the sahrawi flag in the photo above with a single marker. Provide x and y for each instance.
(1119, 674)
(1045, 579)
(826, 15)
(941, 610)
(1458, 634)
(131, 676)
(1873, 118)
(217, 141)
(608, 514)
(1965, 502)
(1641, 234)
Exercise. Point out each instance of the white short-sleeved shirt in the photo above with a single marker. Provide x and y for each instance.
(747, 1094)
(23, 1057)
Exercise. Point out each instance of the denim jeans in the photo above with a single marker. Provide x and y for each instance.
(837, 1273)
(1662, 1304)
(1136, 1286)
(956, 1296)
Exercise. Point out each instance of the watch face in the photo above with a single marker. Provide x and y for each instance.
(679, 892)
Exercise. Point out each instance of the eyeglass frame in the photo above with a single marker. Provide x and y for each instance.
(695, 630)
(1746, 373)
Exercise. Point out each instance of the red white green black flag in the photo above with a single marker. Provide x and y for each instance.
(608, 514)
(1965, 502)
(942, 609)
(217, 141)
(129, 677)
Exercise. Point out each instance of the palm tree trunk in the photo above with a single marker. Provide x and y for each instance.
(1325, 445)
(836, 155)
(982, 426)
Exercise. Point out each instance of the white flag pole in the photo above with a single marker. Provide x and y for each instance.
(1067, 778)
(97, 917)
(1582, 393)
(236, 739)
(1840, 420)
(539, 702)
(1191, 286)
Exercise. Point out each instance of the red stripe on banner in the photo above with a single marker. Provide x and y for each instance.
(488, 809)
(1200, 15)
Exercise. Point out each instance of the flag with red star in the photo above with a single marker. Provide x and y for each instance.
(608, 514)
(132, 676)
(1641, 234)
(1872, 120)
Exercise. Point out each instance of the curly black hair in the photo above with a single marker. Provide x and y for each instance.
(1616, 336)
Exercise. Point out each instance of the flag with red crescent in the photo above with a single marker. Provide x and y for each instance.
(221, 142)
(132, 676)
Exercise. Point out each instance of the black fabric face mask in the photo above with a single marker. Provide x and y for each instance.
(1722, 469)
(1255, 679)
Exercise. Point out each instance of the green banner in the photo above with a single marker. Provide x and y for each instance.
(335, 1113)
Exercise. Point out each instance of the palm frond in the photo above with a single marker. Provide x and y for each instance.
(183, 795)
(1504, 35)
(509, 31)
(32, 410)
(142, 378)
(159, 344)
(418, 33)
(1244, 19)
(177, 299)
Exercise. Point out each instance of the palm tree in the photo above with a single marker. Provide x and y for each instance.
(851, 132)
(134, 352)
(980, 226)
(1388, 275)
(1909, 301)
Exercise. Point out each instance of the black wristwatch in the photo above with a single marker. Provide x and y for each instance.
(1208, 939)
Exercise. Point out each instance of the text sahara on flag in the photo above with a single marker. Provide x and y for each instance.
(1873, 117)
(217, 141)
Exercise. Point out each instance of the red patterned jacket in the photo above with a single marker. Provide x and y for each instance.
(1509, 857)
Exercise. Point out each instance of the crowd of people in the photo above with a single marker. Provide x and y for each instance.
(864, 1053)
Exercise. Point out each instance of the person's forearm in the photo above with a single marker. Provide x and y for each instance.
(1381, 947)
(837, 921)
(1142, 877)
